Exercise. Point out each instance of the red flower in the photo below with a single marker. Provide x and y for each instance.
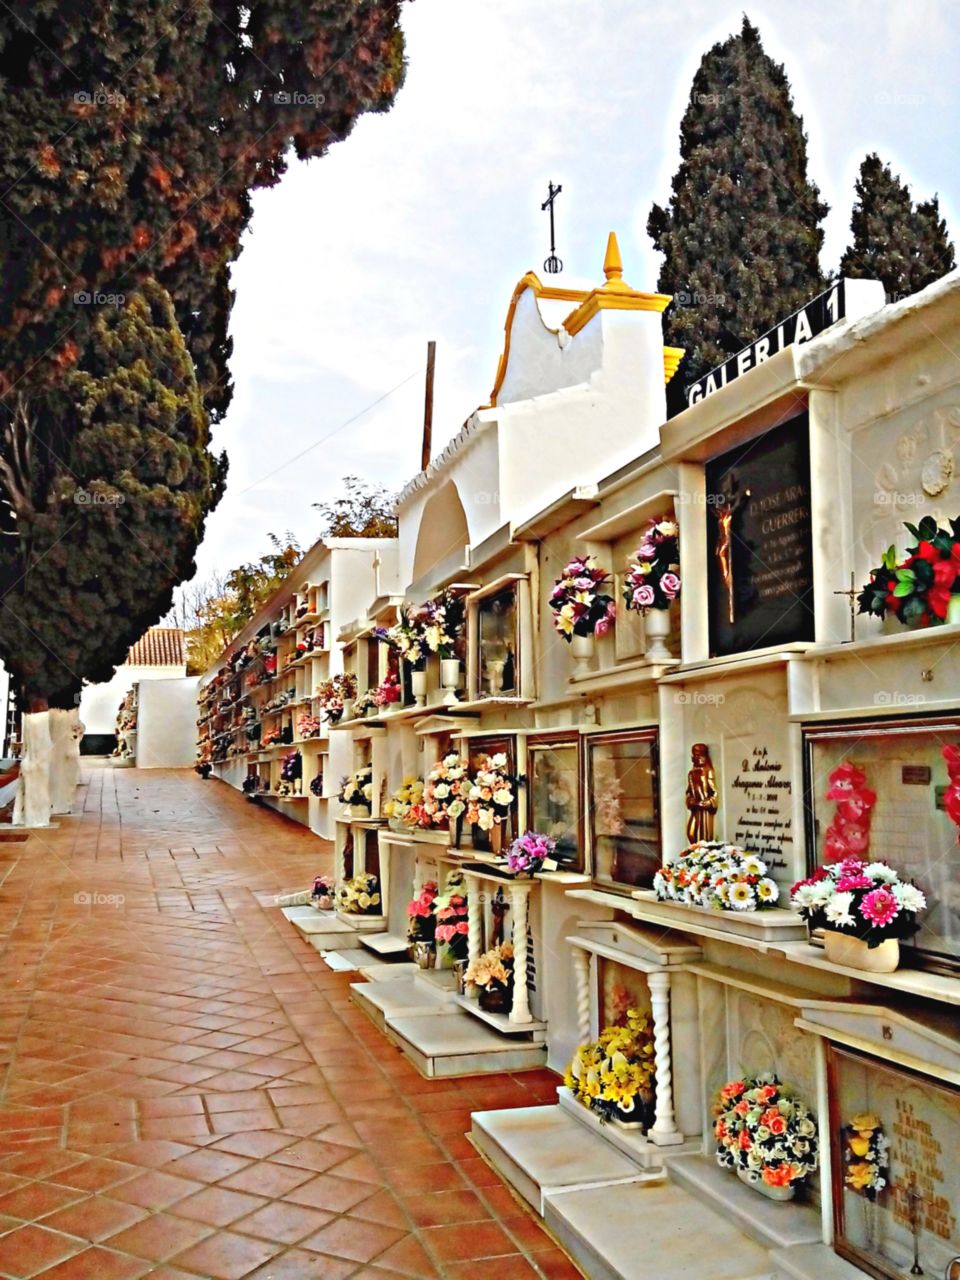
(746, 1142)
(944, 573)
(927, 551)
(938, 598)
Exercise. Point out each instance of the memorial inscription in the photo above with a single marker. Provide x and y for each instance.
(762, 818)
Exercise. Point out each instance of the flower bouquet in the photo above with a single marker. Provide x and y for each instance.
(614, 1075)
(490, 796)
(421, 916)
(527, 854)
(333, 695)
(322, 893)
(580, 607)
(441, 624)
(405, 636)
(405, 806)
(364, 703)
(866, 1155)
(388, 692)
(767, 1134)
(356, 790)
(452, 927)
(862, 907)
(359, 896)
(308, 726)
(492, 974)
(444, 792)
(316, 785)
(920, 588)
(653, 579)
(720, 877)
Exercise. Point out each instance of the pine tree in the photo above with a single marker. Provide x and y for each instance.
(904, 246)
(742, 231)
(107, 523)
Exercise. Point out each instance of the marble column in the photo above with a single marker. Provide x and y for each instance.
(474, 923)
(664, 1132)
(519, 901)
(581, 978)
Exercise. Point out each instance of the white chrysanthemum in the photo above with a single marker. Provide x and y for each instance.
(880, 871)
(768, 890)
(837, 910)
(754, 866)
(909, 897)
(811, 896)
(741, 897)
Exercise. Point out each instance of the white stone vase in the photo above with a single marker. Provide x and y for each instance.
(854, 953)
(450, 679)
(763, 1189)
(656, 628)
(582, 648)
(418, 685)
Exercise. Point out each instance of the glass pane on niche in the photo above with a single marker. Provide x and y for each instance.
(908, 825)
(497, 622)
(911, 1221)
(622, 803)
(554, 770)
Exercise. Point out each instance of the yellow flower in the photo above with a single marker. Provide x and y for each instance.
(865, 1122)
(859, 1176)
(860, 1144)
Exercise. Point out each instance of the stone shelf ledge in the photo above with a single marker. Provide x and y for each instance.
(501, 1021)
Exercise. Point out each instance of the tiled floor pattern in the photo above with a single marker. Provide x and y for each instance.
(187, 1089)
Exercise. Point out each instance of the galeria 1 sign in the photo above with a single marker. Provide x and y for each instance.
(819, 314)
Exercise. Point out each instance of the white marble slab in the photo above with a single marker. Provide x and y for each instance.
(375, 971)
(460, 1046)
(385, 944)
(814, 1262)
(776, 1225)
(346, 961)
(407, 996)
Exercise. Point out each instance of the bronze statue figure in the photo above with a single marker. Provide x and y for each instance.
(703, 799)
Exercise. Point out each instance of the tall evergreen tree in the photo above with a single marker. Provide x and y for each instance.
(741, 235)
(905, 246)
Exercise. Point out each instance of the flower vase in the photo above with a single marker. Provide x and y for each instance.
(953, 610)
(418, 686)
(456, 831)
(496, 839)
(496, 999)
(450, 680)
(582, 648)
(854, 953)
(764, 1188)
(424, 955)
(358, 811)
(656, 628)
(460, 975)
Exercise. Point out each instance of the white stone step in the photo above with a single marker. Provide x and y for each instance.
(299, 898)
(814, 1262)
(540, 1150)
(652, 1231)
(374, 971)
(346, 959)
(405, 997)
(460, 1046)
(774, 1224)
(631, 1141)
(385, 944)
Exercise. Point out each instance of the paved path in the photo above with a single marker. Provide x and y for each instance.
(187, 1089)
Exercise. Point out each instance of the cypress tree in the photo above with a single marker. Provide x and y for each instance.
(905, 246)
(741, 234)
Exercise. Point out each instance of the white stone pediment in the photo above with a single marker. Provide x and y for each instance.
(637, 948)
(926, 1042)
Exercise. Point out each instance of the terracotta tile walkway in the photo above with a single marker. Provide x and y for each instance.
(188, 1090)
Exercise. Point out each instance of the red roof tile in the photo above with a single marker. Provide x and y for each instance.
(159, 647)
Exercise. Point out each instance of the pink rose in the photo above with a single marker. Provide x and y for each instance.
(602, 627)
(670, 585)
(643, 596)
(646, 551)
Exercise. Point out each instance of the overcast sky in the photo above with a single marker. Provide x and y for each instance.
(421, 223)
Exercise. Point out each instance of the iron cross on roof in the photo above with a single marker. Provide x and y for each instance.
(553, 264)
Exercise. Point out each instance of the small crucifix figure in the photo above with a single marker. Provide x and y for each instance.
(852, 598)
(553, 264)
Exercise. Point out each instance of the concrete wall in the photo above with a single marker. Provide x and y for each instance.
(99, 702)
(167, 723)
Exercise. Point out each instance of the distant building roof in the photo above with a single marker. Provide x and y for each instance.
(159, 647)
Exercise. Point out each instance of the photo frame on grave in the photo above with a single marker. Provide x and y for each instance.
(623, 809)
(554, 773)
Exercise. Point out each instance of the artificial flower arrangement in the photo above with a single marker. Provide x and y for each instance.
(866, 1155)
(333, 695)
(490, 793)
(388, 692)
(421, 916)
(614, 1075)
(365, 702)
(291, 767)
(492, 974)
(271, 737)
(865, 900)
(951, 795)
(580, 607)
(451, 912)
(441, 623)
(652, 580)
(405, 806)
(308, 726)
(359, 896)
(323, 891)
(918, 589)
(765, 1132)
(405, 636)
(316, 785)
(445, 789)
(357, 788)
(718, 876)
(527, 854)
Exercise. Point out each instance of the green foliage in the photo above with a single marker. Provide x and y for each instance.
(742, 231)
(905, 246)
(364, 511)
(102, 527)
(132, 138)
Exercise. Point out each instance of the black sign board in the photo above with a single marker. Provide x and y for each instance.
(819, 314)
(760, 558)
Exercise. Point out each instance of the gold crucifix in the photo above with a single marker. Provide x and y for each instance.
(851, 595)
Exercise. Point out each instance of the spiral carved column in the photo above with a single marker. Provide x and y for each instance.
(474, 922)
(664, 1131)
(581, 977)
(519, 898)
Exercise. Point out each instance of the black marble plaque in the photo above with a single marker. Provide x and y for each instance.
(760, 561)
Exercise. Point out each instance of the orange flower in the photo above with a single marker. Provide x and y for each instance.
(781, 1176)
(742, 1107)
(746, 1142)
(778, 1125)
(769, 1116)
(766, 1092)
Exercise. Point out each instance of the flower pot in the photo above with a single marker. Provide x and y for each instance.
(764, 1188)
(418, 686)
(656, 627)
(359, 811)
(854, 953)
(424, 955)
(456, 831)
(450, 679)
(460, 975)
(496, 839)
(582, 648)
(496, 999)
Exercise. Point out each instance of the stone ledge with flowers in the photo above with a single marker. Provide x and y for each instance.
(356, 793)
(357, 901)
(766, 1134)
(724, 882)
(615, 1075)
